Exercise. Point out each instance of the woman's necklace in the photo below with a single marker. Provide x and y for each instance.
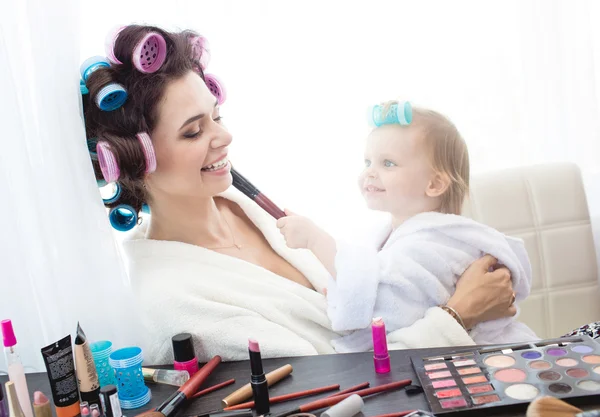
(234, 244)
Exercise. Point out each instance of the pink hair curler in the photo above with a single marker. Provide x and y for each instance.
(200, 51)
(216, 87)
(108, 162)
(150, 53)
(148, 149)
(109, 43)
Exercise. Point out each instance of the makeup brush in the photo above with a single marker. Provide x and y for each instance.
(553, 407)
(254, 194)
(328, 402)
(185, 392)
(351, 389)
(214, 388)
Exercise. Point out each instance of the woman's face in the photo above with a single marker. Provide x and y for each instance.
(190, 143)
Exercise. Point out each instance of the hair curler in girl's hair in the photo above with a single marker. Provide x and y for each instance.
(123, 218)
(150, 53)
(111, 97)
(108, 163)
(398, 113)
(216, 87)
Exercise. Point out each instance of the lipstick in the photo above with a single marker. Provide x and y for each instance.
(258, 380)
(381, 357)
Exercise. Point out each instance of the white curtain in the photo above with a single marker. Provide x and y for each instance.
(520, 78)
(58, 261)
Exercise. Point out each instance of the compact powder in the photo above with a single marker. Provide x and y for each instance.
(591, 359)
(556, 352)
(499, 361)
(447, 393)
(522, 392)
(566, 362)
(589, 385)
(577, 373)
(510, 375)
(549, 376)
(531, 354)
(560, 388)
(597, 369)
(485, 399)
(540, 365)
(582, 349)
(469, 371)
(453, 403)
(435, 366)
(478, 389)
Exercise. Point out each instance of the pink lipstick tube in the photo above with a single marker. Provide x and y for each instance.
(381, 357)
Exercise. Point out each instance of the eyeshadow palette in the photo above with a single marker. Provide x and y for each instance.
(511, 375)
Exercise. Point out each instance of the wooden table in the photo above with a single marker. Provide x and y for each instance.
(309, 372)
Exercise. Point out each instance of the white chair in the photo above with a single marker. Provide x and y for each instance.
(546, 206)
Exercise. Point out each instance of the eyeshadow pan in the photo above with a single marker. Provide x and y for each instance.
(435, 366)
(469, 371)
(560, 388)
(540, 365)
(589, 385)
(444, 383)
(485, 399)
(463, 362)
(474, 379)
(591, 359)
(439, 374)
(447, 393)
(499, 361)
(478, 389)
(510, 375)
(556, 352)
(597, 369)
(566, 362)
(522, 391)
(582, 349)
(549, 376)
(531, 354)
(577, 373)
(453, 403)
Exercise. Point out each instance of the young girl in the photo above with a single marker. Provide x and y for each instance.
(418, 172)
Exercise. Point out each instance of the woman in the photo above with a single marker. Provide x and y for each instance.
(210, 262)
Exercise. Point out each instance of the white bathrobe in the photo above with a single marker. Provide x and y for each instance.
(222, 300)
(417, 268)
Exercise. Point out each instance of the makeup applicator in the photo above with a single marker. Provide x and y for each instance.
(553, 407)
(254, 194)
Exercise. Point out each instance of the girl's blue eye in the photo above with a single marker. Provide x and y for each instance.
(367, 163)
(388, 164)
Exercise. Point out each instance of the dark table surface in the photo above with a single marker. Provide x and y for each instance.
(309, 372)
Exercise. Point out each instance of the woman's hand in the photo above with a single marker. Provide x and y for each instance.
(482, 295)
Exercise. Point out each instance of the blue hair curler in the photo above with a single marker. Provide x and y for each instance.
(111, 97)
(145, 209)
(123, 218)
(91, 144)
(82, 88)
(116, 194)
(92, 64)
(400, 113)
(101, 183)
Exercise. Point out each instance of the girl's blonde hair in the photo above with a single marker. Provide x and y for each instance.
(448, 154)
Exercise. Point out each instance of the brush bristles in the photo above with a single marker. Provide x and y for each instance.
(551, 407)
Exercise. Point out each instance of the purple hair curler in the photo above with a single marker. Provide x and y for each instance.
(150, 53)
(200, 51)
(216, 87)
(108, 163)
(109, 43)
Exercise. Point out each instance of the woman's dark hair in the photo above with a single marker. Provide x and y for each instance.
(139, 112)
